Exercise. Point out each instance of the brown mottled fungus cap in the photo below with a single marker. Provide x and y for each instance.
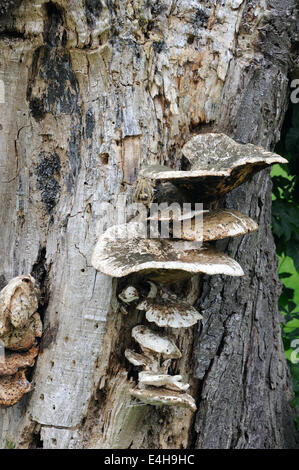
(162, 397)
(148, 340)
(218, 164)
(218, 225)
(13, 361)
(173, 313)
(160, 259)
(21, 339)
(13, 387)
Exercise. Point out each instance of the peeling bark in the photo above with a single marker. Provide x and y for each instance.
(94, 91)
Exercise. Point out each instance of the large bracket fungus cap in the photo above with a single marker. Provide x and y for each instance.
(13, 387)
(218, 164)
(148, 340)
(160, 259)
(163, 397)
(173, 313)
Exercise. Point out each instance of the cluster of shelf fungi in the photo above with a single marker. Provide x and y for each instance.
(214, 164)
(20, 328)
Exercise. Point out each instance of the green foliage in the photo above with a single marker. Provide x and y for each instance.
(285, 225)
(9, 444)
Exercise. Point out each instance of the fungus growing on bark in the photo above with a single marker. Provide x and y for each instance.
(155, 386)
(13, 387)
(170, 312)
(218, 164)
(13, 361)
(220, 224)
(21, 339)
(158, 344)
(138, 359)
(18, 302)
(158, 259)
(171, 382)
(20, 325)
(157, 350)
(129, 294)
(163, 397)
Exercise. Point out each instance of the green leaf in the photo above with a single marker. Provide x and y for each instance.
(291, 325)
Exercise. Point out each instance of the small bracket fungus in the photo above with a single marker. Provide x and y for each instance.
(20, 325)
(171, 382)
(150, 341)
(163, 397)
(218, 164)
(221, 224)
(159, 259)
(14, 361)
(18, 302)
(155, 385)
(138, 359)
(129, 294)
(13, 387)
(170, 312)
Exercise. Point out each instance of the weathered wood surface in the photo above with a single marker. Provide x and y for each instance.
(93, 92)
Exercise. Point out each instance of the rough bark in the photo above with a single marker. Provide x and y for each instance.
(93, 92)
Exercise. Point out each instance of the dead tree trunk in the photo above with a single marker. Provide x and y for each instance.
(95, 90)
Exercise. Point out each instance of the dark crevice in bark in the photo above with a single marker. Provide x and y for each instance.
(93, 10)
(53, 24)
(7, 5)
(40, 272)
(36, 442)
(7, 19)
(3, 281)
(11, 35)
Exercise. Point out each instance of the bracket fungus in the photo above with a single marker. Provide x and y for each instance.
(220, 224)
(14, 361)
(215, 164)
(171, 382)
(170, 312)
(129, 294)
(216, 225)
(151, 342)
(155, 386)
(163, 397)
(158, 259)
(218, 164)
(13, 387)
(20, 323)
(20, 326)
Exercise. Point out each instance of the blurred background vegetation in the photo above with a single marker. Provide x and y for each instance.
(285, 226)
